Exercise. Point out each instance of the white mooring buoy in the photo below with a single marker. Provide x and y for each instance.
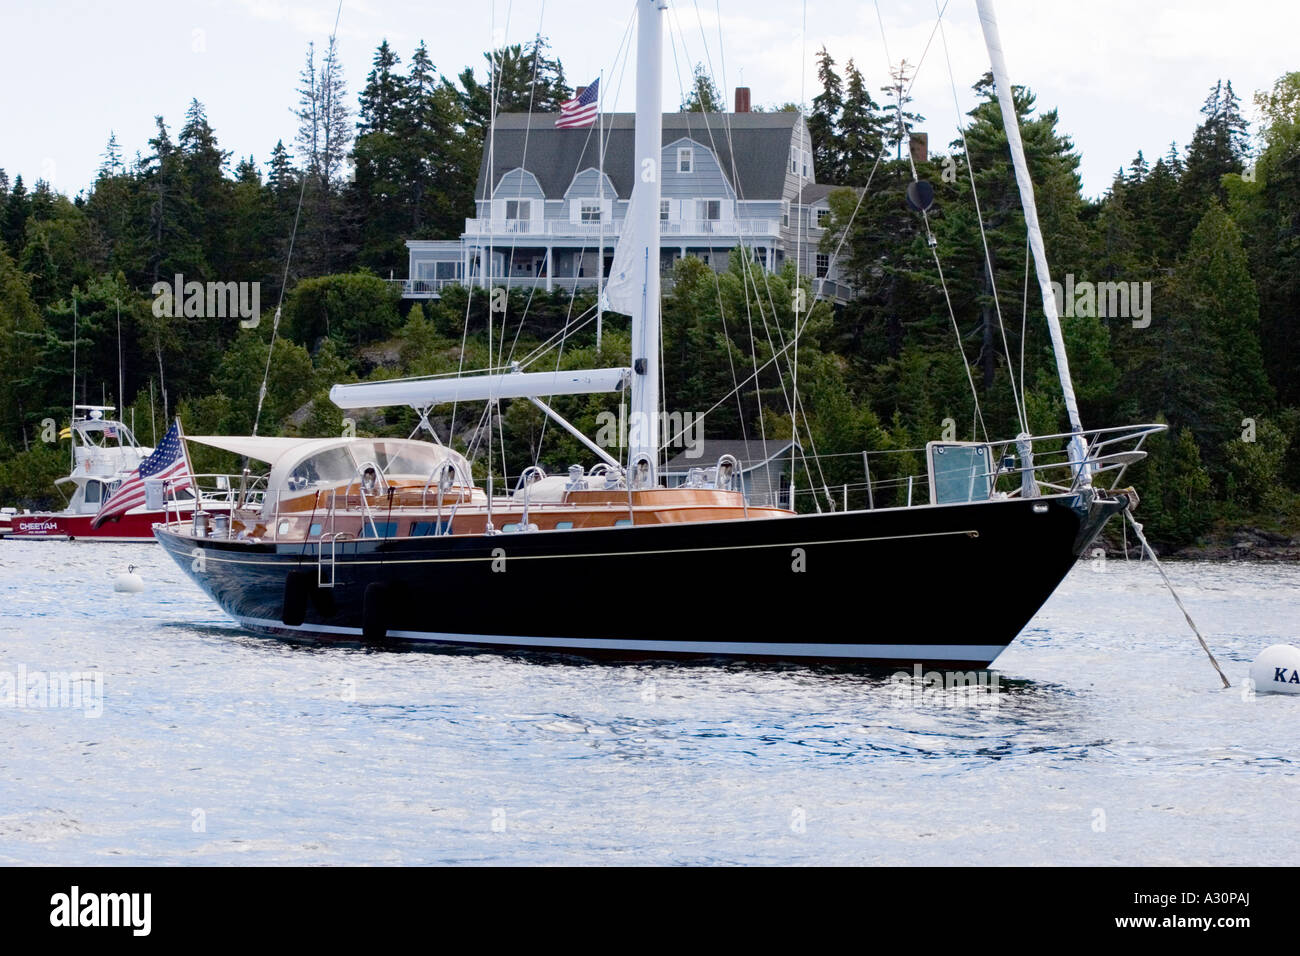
(1277, 670)
(129, 582)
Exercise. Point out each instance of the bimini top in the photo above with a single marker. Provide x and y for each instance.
(302, 464)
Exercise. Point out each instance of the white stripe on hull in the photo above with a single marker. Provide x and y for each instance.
(984, 653)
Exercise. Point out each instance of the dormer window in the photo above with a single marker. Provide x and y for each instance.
(589, 211)
(519, 209)
(823, 217)
(685, 159)
(799, 162)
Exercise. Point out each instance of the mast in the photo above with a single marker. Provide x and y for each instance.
(600, 192)
(643, 437)
(1011, 123)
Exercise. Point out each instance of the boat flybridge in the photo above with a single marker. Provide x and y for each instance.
(391, 539)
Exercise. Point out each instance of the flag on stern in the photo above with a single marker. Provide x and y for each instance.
(167, 463)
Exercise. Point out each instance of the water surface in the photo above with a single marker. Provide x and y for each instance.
(1109, 740)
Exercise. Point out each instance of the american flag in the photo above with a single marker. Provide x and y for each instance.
(167, 462)
(580, 111)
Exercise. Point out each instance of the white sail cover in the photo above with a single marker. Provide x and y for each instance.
(425, 393)
(626, 284)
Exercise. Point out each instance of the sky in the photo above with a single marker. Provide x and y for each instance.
(1124, 74)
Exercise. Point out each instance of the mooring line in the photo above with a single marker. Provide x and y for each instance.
(1137, 528)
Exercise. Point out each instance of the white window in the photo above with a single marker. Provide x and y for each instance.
(590, 211)
(823, 217)
(785, 212)
(823, 265)
(685, 159)
(521, 209)
(800, 159)
(663, 210)
(711, 209)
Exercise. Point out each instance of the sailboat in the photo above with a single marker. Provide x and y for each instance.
(391, 540)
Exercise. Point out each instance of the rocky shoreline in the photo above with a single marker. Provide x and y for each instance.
(1245, 544)
(1237, 544)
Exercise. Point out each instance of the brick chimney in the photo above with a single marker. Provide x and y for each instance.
(919, 144)
(578, 91)
(742, 99)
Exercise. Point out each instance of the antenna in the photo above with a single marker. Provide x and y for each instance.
(72, 445)
(600, 193)
(121, 389)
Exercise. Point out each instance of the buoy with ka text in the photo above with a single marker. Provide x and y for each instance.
(1277, 670)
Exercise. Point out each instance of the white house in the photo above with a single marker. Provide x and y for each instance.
(549, 210)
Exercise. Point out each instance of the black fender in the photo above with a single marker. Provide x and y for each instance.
(376, 612)
(298, 589)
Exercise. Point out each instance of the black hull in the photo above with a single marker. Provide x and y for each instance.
(942, 586)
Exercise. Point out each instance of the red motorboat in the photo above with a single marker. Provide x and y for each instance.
(104, 455)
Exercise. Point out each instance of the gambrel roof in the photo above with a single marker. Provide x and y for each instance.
(760, 143)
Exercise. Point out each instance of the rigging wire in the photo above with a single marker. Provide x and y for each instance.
(1024, 327)
(931, 241)
(484, 262)
(791, 406)
(602, 145)
(796, 330)
(735, 179)
(1016, 396)
(284, 279)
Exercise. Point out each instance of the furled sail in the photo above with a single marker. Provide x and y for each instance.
(626, 285)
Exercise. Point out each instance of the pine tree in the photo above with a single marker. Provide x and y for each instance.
(281, 179)
(203, 164)
(704, 96)
(1219, 147)
(1269, 212)
(824, 121)
(1215, 288)
(171, 244)
(898, 129)
(384, 92)
(324, 133)
(112, 157)
(378, 162)
(13, 223)
(518, 82)
(861, 130)
(441, 143)
(20, 325)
